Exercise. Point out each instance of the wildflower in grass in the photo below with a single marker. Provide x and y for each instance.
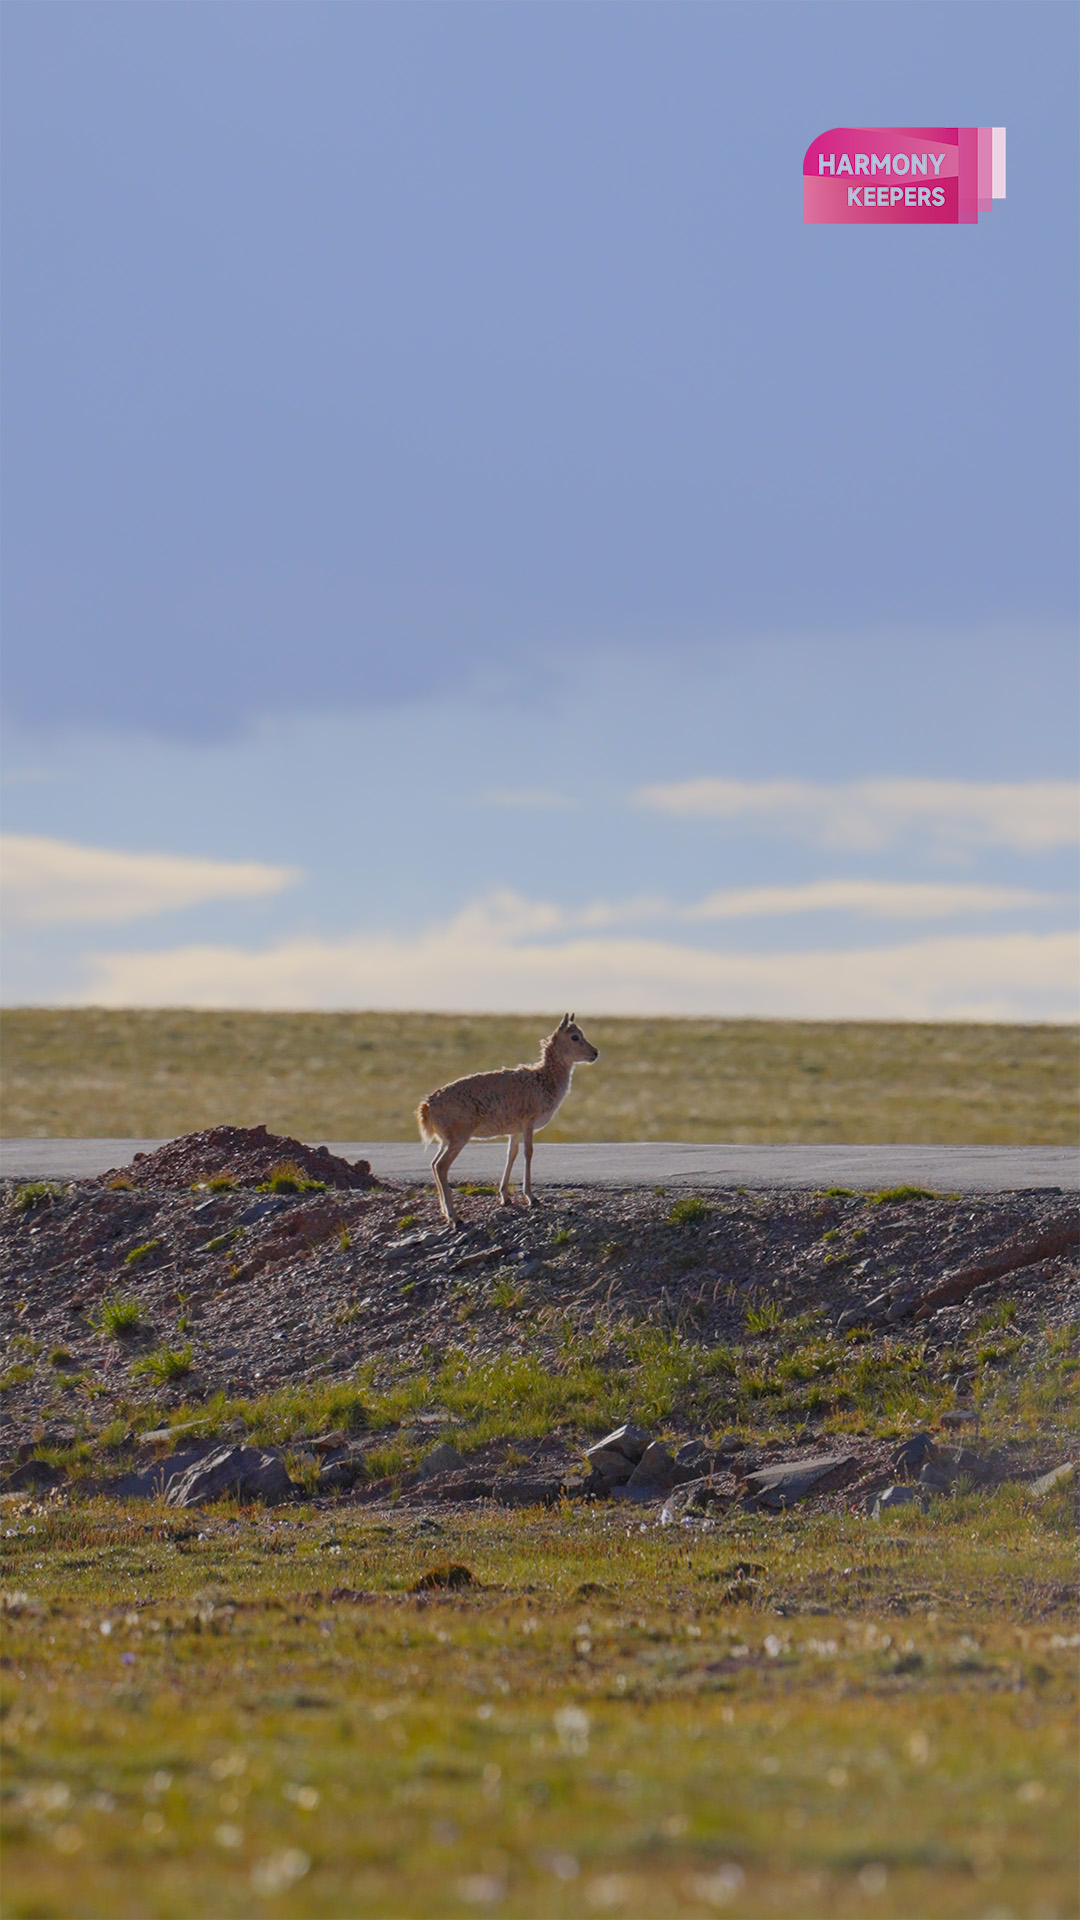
(279, 1871)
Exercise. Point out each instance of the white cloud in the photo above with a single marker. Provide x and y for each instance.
(885, 899)
(494, 958)
(1029, 816)
(506, 913)
(47, 882)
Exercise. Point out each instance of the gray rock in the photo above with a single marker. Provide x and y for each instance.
(960, 1417)
(901, 1305)
(790, 1480)
(265, 1209)
(249, 1473)
(1056, 1477)
(936, 1479)
(522, 1490)
(168, 1436)
(912, 1455)
(628, 1440)
(147, 1482)
(692, 1454)
(730, 1444)
(894, 1497)
(869, 1313)
(655, 1469)
(611, 1468)
(32, 1475)
(692, 1501)
(339, 1474)
(442, 1459)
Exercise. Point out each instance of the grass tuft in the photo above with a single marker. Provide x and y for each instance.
(764, 1317)
(165, 1364)
(141, 1253)
(288, 1177)
(37, 1193)
(119, 1316)
(900, 1196)
(690, 1211)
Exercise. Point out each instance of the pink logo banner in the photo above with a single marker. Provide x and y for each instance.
(914, 176)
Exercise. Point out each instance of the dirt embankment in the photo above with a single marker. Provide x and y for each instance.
(278, 1264)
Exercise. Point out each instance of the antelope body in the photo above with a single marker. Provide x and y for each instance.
(514, 1100)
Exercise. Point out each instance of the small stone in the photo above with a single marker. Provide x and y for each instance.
(444, 1458)
(1055, 1478)
(901, 1306)
(691, 1453)
(338, 1475)
(264, 1209)
(912, 1455)
(335, 1442)
(894, 1497)
(32, 1475)
(936, 1478)
(789, 1480)
(628, 1440)
(655, 1469)
(246, 1472)
(730, 1443)
(613, 1469)
(960, 1417)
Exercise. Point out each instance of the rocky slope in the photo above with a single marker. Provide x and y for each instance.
(277, 1265)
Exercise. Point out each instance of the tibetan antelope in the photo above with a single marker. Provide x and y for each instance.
(515, 1101)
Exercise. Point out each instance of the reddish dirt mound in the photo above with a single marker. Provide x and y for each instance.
(249, 1154)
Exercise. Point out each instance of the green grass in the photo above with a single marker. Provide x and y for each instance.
(92, 1071)
(37, 1193)
(877, 1718)
(691, 1211)
(141, 1253)
(222, 1241)
(119, 1316)
(663, 1378)
(165, 1364)
(766, 1317)
(900, 1196)
(288, 1177)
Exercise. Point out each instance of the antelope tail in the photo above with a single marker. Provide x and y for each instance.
(423, 1121)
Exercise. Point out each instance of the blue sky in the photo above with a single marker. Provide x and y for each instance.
(468, 544)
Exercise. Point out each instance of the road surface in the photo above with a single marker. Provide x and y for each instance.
(639, 1163)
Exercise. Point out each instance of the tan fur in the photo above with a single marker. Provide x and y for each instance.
(516, 1101)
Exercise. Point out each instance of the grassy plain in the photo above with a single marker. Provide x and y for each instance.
(819, 1716)
(358, 1076)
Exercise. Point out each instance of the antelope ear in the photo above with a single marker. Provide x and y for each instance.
(573, 1017)
(564, 1022)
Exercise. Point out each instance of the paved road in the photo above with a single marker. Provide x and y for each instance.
(640, 1163)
